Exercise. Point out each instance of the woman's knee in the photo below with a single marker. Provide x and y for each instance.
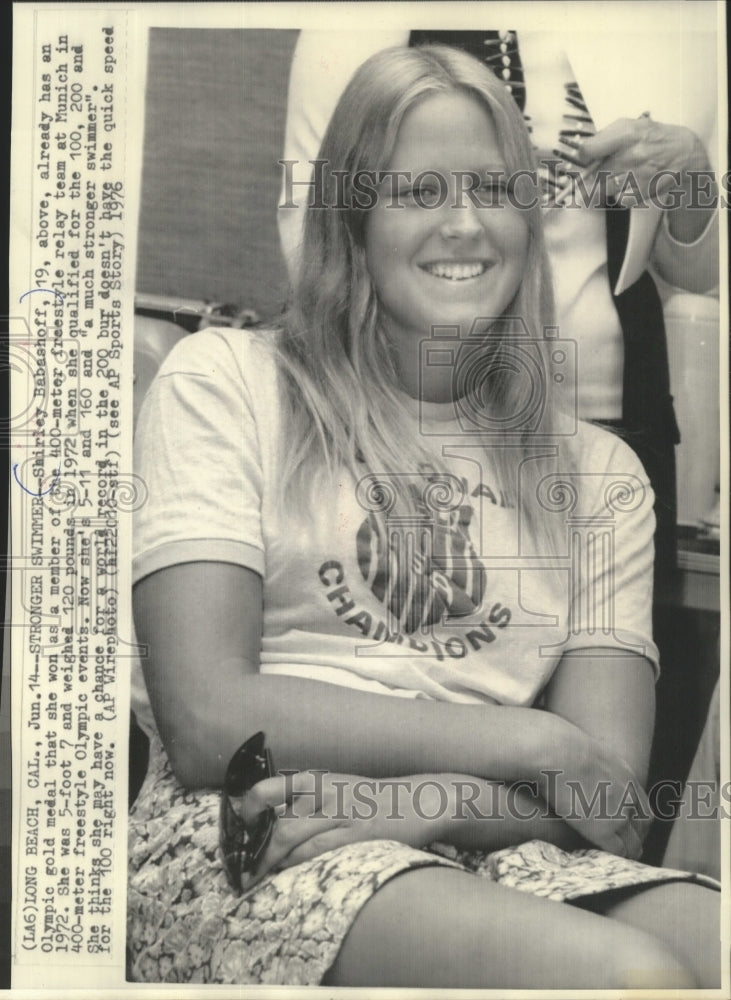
(685, 917)
(638, 960)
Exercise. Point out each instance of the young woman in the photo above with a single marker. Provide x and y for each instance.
(370, 537)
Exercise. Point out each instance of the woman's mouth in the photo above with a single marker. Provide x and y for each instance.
(453, 270)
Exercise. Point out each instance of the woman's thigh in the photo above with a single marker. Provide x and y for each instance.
(440, 927)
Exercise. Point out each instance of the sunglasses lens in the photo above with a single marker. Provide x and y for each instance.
(243, 843)
(249, 765)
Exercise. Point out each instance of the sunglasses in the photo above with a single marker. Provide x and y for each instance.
(243, 843)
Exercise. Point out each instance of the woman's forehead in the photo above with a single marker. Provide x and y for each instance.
(447, 130)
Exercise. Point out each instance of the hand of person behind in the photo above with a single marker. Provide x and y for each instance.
(646, 162)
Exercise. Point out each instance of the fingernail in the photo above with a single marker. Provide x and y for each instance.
(567, 158)
(248, 881)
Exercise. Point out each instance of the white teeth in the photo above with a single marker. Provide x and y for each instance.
(455, 272)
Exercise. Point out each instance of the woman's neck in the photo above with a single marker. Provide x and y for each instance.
(439, 372)
(424, 373)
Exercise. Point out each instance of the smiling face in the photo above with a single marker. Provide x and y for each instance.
(455, 261)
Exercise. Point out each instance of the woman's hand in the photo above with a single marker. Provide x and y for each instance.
(319, 811)
(595, 792)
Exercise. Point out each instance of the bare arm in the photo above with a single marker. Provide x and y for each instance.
(612, 698)
(686, 249)
(502, 815)
(202, 623)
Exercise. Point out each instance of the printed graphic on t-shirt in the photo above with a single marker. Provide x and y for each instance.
(422, 574)
(424, 571)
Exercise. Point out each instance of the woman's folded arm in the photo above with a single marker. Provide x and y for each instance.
(201, 623)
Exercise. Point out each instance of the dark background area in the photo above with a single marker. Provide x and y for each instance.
(211, 181)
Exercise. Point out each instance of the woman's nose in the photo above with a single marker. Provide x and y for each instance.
(460, 222)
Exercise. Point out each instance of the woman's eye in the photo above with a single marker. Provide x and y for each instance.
(488, 194)
(423, 195)
(491, 193)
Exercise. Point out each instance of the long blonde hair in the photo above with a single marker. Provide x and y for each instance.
(343, 404)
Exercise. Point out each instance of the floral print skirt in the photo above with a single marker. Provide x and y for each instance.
(186, 925)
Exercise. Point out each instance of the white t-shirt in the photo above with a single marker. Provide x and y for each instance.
(452, 609)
